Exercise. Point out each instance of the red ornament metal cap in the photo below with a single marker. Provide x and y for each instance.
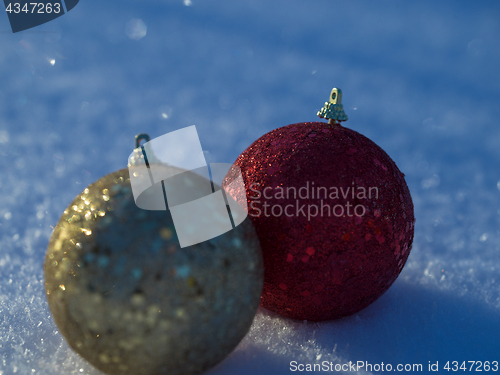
(333, 110)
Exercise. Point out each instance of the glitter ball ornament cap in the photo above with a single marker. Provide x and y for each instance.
(333, 214)
(129, 300)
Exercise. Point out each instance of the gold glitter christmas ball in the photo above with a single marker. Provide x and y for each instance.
(130, 300)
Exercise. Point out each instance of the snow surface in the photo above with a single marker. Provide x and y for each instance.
(421, 79)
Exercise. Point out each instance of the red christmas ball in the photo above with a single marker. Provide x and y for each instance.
(334, 216)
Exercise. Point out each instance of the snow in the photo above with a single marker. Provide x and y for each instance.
(420, 79)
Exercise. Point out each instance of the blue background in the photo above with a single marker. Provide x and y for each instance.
(421, 79)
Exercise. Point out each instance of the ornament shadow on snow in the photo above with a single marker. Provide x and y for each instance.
(199, 212)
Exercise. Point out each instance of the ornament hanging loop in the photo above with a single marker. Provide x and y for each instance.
(333, 110)
(141, 137)
(336, 96)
